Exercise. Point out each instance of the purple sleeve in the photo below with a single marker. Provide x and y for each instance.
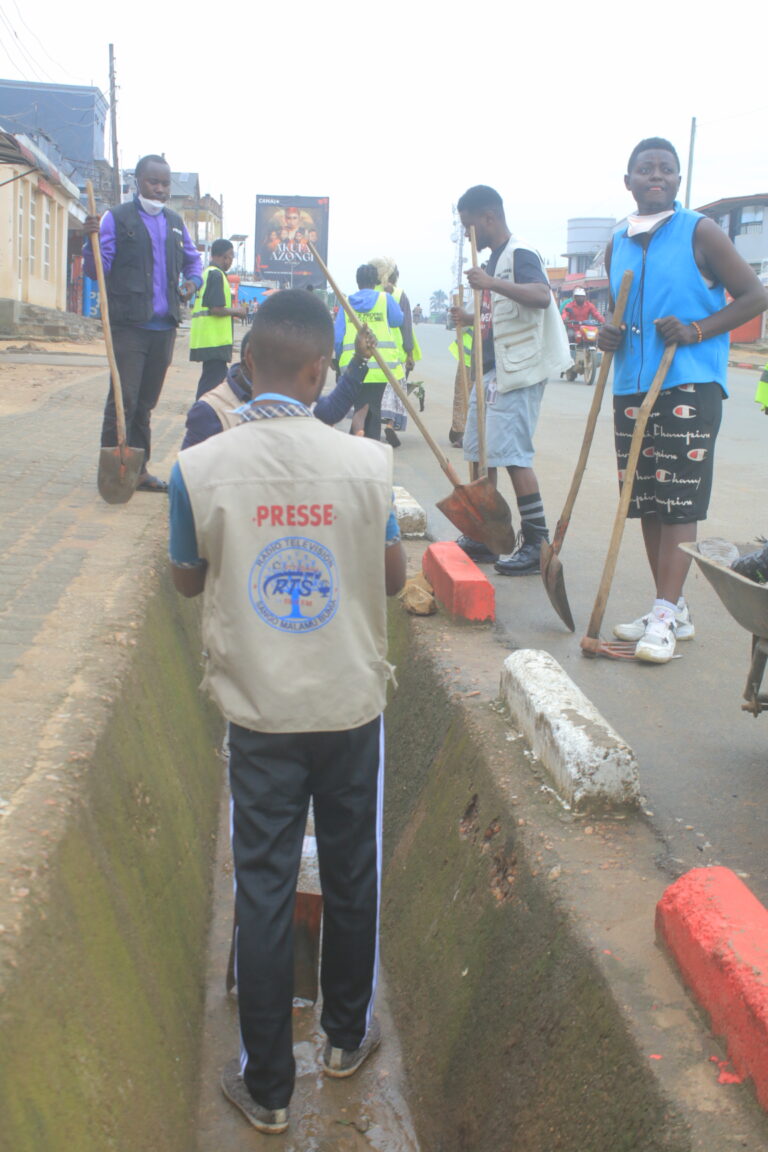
(106, 244)
(193, 268)
(332, 408)
(202, 422)
(407, 327)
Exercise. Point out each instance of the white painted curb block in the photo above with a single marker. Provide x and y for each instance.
(411, 517)
(590, 765)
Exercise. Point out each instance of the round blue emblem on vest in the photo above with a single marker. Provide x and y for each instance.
(294, 585)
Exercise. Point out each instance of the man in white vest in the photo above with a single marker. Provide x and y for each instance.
(524, 342)
(286, 527)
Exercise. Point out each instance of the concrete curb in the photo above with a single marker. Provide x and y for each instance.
(463, 590)
(411, 517)
(717, 933)
(590, 765)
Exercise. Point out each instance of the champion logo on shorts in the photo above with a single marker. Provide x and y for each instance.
(622, 474)
(649, 452)
(663, 476)
(631, 413)
(684, 411)
(697, 453)
(686, 387)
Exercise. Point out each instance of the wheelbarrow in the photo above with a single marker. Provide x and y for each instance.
(747, 602)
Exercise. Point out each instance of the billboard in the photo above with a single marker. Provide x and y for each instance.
(284, 227)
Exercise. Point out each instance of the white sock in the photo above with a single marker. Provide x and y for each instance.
(664, 610)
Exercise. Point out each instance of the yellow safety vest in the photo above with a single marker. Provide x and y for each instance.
(209, 331)
(398, 335)
(376, 320)
(466, 339)
(761, 396)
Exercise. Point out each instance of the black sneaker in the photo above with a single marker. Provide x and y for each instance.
(391, 436)
(524, 562)
(476, 550)
(273, 1121)
(343, 1062)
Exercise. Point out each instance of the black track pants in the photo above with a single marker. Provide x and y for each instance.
(273, 777)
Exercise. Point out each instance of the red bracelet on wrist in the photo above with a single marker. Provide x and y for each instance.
(699, 332)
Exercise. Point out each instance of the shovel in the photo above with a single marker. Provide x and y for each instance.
(551, 568)
(121, 466)
(591, 644)
(476, 509)
(477, 356)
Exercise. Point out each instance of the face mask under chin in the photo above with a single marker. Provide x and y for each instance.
(151, 207)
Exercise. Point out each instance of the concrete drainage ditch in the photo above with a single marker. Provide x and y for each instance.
(507, 1028)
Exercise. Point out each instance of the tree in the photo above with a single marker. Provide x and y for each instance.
(438, 301)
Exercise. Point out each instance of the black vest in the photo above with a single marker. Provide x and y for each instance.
(129, 283)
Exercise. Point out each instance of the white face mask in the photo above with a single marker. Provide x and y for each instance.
(151, 207)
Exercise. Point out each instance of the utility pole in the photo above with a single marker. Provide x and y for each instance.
(690, 163)
(116, 182)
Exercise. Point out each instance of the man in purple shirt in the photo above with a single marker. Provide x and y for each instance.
(146, 252)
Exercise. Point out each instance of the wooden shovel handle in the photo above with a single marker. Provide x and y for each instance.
(104, 309)
(477, 356)
(442, 459)
(594, 411)
(596, 619)
(458, 301)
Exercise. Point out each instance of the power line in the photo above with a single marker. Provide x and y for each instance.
(19, 44)
(32, 33)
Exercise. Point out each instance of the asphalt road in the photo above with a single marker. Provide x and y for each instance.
(703, 762)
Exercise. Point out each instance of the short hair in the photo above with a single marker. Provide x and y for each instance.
(219, 247)
(481, 198)
(289, 329)
(367, 276)
(656, 143)
(150, 159)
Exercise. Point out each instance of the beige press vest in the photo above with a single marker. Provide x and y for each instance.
(291, 517)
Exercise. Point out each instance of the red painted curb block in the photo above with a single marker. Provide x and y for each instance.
(717, 932)
(459, 585)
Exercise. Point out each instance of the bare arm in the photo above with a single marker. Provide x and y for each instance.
(394, 568)
(718, 260)
(536, 295)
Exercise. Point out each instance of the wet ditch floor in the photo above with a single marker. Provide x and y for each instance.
(368, 1111)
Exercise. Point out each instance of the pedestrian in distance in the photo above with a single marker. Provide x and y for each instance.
(286, 528)
(393, 414)
(211, 336)
(146, 250)
(524, 342)
(683, 265)
(381, 312)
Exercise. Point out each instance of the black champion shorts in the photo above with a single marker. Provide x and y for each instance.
(674, 473)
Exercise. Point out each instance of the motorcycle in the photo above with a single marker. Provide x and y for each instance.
(584, 352)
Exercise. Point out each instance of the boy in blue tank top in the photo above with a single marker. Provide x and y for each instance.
(683, 263)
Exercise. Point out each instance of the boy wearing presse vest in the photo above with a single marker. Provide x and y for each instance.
(287, 529)
(682, 265)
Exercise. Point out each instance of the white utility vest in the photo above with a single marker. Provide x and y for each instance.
(530, 344)
(291, 517)
(224, 402)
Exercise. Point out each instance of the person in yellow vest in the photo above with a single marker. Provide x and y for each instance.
(211, 336)
(393, 414)
(761, 396)
(287, 529)
(383, 315)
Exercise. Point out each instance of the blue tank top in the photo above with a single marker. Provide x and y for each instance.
(667, 282)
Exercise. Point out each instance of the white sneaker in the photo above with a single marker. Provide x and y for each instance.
(657, 645)
(636, 629)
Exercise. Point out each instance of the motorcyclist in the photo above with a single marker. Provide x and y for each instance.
(580, 311)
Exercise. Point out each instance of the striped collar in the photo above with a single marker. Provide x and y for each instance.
(254, 411)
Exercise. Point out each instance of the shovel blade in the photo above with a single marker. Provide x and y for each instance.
(307, 917)
(480, 512)
(554, 583)
(119, 471)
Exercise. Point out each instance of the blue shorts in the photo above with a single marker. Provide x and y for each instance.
(510, 422)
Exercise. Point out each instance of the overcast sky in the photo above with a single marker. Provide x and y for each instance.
(393, 120)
